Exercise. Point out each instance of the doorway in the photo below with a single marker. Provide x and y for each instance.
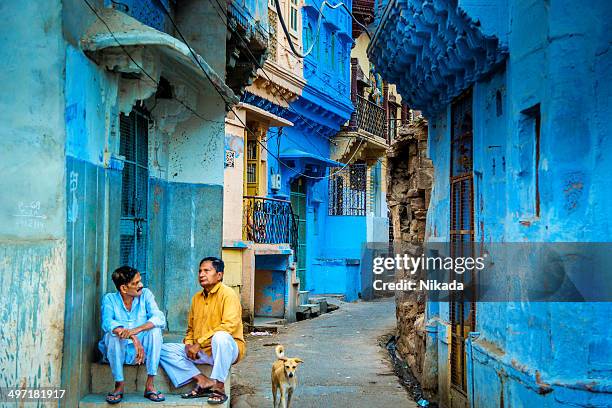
(462, 312)
(134, 142)
(298, 202)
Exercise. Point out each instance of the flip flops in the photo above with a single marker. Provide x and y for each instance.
(154, 396)
(198, 392)
(114, 395)
(217, 398)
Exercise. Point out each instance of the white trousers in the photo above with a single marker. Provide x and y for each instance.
(118, 351)
(181, 369)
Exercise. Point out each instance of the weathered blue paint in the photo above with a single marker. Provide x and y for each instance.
(33, 199)
(527, 354)
(194, 231)
(60, 210)
(272, 285)
(147, 12)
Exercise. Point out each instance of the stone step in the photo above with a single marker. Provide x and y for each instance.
(269, 324)
(314, 308)
(321, 301)
(303, 296)
(136, 377)
(334, 296)
(136, 400)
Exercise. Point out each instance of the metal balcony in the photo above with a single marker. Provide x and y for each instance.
(370, 117)
(269, 221)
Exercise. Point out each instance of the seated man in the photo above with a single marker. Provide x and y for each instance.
(214, 336)
(132, 325)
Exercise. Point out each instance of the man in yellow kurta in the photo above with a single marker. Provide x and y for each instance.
(214, 336)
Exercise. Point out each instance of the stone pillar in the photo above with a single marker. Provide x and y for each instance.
(410, 179)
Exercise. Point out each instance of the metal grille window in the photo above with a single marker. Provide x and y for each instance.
(133, 146)
(347, 190)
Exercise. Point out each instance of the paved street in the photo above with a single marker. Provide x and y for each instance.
(343, 364)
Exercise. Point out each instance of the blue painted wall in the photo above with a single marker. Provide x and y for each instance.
(557, 59)
(33, 198)
(60, 210)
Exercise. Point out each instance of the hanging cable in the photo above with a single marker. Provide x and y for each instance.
(323, 4)
(220, 93)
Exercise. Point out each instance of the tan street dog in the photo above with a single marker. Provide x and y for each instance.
(284, 377)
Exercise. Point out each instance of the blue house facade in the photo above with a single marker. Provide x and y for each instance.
(318, 113)
(113, 155)
(517, 95)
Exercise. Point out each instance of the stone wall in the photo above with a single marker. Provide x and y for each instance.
(410, 178)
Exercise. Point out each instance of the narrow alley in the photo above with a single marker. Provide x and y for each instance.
(344, 366)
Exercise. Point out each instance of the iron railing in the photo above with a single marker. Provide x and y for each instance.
(269, 221)
(348, 190)
(240, 17)
(370, 117)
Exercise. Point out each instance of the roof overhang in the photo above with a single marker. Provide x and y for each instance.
(308, 158)
(106, 46)
(432, 51)
(358, 144)
(261, 115)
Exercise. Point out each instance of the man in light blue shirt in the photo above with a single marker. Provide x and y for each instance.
(132, 325)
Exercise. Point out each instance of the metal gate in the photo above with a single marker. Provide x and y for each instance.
(462, 313)
(134, 135)
(298, 203)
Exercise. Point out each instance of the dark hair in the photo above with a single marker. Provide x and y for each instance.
(123, 275)
(217, 263)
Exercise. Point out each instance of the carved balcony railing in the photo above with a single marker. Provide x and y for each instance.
(269, 221)
(370, 117)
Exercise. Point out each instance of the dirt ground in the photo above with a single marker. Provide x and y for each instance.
(344, 365)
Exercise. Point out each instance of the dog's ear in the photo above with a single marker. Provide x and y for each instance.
(298, 360)
(283, 358)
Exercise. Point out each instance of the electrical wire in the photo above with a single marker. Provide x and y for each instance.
(323, 4)
(289, 107)
(92, 8)
(254, 59)
(230, 108)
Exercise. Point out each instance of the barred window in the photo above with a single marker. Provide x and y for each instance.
(347, 190)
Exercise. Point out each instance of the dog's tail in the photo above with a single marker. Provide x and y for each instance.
(280, 352)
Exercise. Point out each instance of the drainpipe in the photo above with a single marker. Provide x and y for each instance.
(472, 336)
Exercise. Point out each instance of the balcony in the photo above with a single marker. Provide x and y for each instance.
(247, 43)
(269, 221)
(370, 117)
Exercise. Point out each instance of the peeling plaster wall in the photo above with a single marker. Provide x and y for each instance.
(32, 203)
(184, 197)
(537, 354)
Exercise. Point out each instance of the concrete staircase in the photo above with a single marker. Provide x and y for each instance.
(135, 378)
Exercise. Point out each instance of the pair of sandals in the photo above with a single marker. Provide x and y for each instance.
(215, 397)
(116, 397)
